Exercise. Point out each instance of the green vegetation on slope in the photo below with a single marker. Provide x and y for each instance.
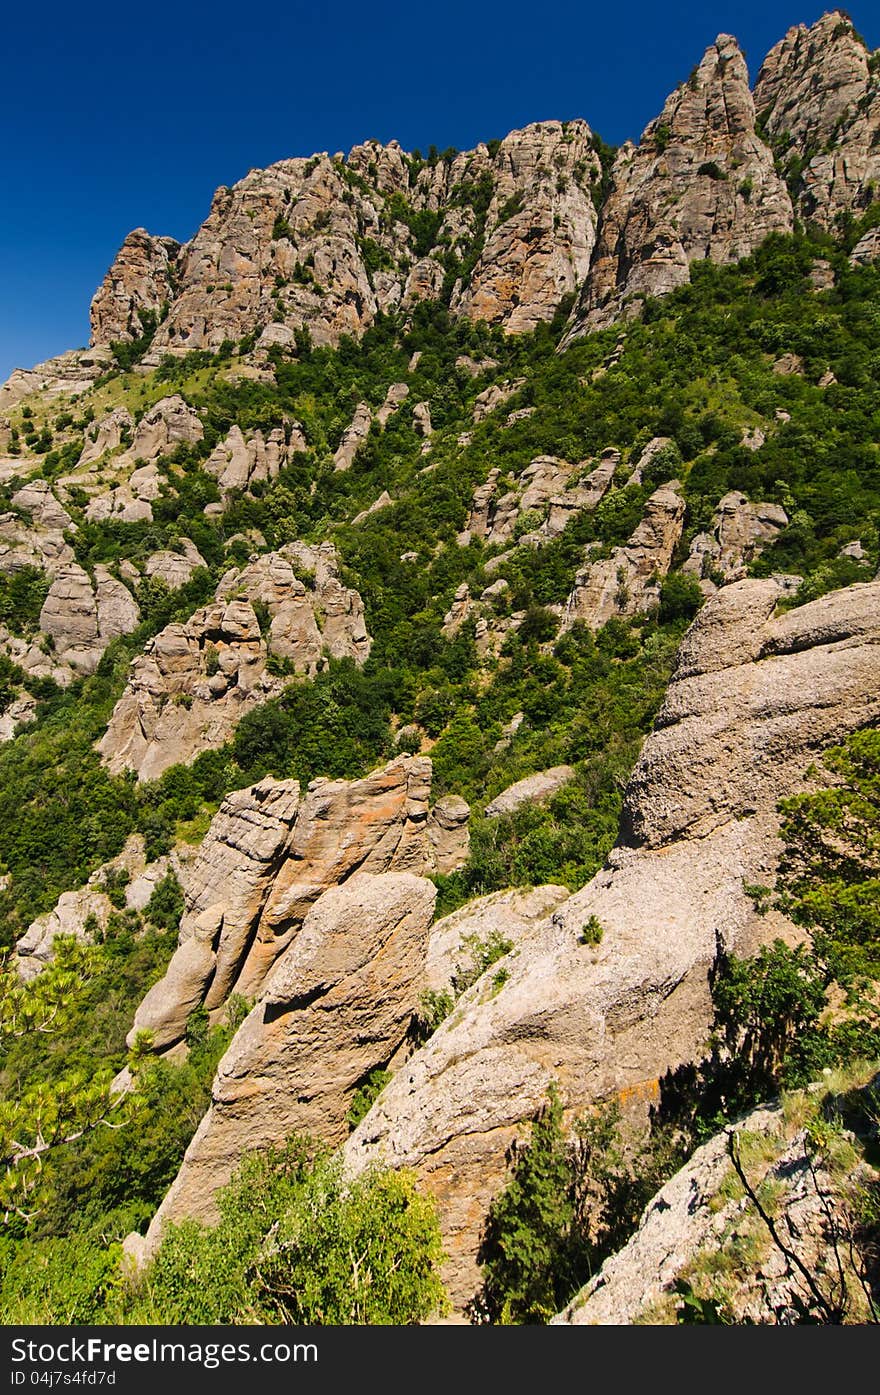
(698, 369)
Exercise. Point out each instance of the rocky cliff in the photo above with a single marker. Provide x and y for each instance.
(818, 99)
(506, 232)
(195, 681)
(700, 184)
(702, 1232)
(326, 244)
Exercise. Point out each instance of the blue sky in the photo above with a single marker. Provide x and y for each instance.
(116, 116)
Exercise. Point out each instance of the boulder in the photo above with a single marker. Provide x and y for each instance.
(36, 498)
(532, 790)
(511, 915)
(819, 101)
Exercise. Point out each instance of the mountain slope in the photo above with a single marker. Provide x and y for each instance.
(419, 531)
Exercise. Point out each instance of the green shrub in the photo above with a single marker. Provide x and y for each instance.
(297, 1244)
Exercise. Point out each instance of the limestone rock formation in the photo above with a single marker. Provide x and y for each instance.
(752, 701)
(69, 373)
(353, 436)
(448, 834)
(86, 911)
(195, 681)
(546, 494)
(740, 532)
(509, 915)
(130, 453)
(540, 227)
(700, 184)
(531, 790)
(383, 502)
(819, 103)
(494, 396)
(188, 690)
(175, 568)
(270, 855)
(238, 463)
(81, 619)
(32, 543)
(582, 494)
(626, 582)
(337, 1005)
(142, 278)
(129, 502)
(286, 249)
(21, 711)
(867, 249)
(107, 435)
(169, 423)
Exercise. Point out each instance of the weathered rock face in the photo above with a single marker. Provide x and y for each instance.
(509, 915)
(129, 502)
(22, 545)
(337, 1005)
(132, 453)
(141, 279)
(287, 248)
(106, 435)
(353, 436)
(545, 495)
(36, 498)
(20, 711)
(171, 422)
(700, 184)
(752, 701)
(867, 249)
(531, 790)
(188, 691)
(270, 855)
(626, 582)
(237, 463)
(818, 101)
(81, 913)
(175, 568)
(741, 530)
(540, 227)
(194, 682)
(237, 860)
(81, 619)
(494, 396)
(72, 372)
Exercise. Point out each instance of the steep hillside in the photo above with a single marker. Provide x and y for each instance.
(422, 608)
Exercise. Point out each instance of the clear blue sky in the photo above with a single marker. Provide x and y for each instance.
(116, 116)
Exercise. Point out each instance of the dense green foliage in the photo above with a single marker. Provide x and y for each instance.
(574, 1195)
(297, 1244)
